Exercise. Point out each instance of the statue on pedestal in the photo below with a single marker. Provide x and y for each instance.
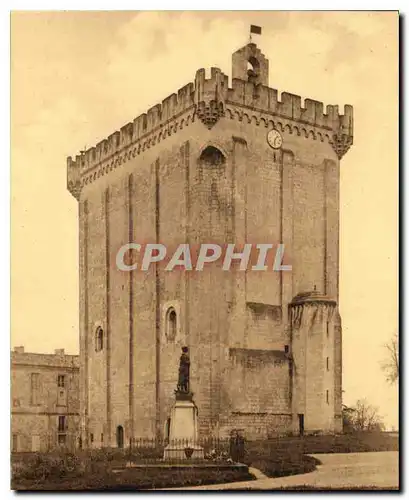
(183, 421)
(184, 369)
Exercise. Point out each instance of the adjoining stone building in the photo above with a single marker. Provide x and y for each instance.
(213, 164)
(44, 401)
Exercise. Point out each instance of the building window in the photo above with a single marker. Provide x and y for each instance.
(61, 423)
(62, 439)
(91, 438)
(327, 328)
(212, 157)
(253, 69)
(120, 436)
(61, 381)
(171, 324)
(35, 442)
(34, 388)
(62, 397)
(102, 438)
(327, 364)
(99, 339)
(327, 396)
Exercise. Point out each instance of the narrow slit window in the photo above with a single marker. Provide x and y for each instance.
(62, 423)
(99, 339)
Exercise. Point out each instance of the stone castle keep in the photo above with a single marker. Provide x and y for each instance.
(213, 164)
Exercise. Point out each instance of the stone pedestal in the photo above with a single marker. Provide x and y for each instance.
(183, 434)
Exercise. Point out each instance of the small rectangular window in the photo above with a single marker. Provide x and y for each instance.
(34, 388)
(91, 438)
(61, 381)
(102, 438)
(35, 442)
(62, 438)
(327, 364)
(327, 396)
(61, 423)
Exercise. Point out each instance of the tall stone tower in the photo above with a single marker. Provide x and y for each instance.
(213, 164)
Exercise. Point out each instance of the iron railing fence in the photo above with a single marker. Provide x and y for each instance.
(213, 449)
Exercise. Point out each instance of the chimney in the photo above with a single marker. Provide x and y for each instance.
(59, 352)
(19, 349)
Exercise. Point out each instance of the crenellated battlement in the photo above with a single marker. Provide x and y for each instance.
(141, 127)
(208, 99)
(289, 106)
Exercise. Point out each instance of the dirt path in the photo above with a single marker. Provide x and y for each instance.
(338, 471)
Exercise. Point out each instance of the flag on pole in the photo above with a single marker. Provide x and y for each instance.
(255, 29)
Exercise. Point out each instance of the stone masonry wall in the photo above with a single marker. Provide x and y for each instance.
(34, 417)
(154, 182)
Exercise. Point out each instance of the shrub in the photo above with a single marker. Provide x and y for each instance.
(39, 466)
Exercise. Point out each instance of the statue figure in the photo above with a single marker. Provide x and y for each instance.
(184, 368)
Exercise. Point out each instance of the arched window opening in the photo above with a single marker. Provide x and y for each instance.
(171, 324)
(253, 69)
(212, 156)
(99, 339)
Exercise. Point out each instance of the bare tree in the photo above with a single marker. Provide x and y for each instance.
(391, 364)
(366, 417)
(362, 417)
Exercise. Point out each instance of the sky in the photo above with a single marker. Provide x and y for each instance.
(78, 76)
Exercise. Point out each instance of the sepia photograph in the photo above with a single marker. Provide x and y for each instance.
(204, 250)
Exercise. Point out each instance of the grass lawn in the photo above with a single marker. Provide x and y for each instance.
(134, 479)
(281, 461)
